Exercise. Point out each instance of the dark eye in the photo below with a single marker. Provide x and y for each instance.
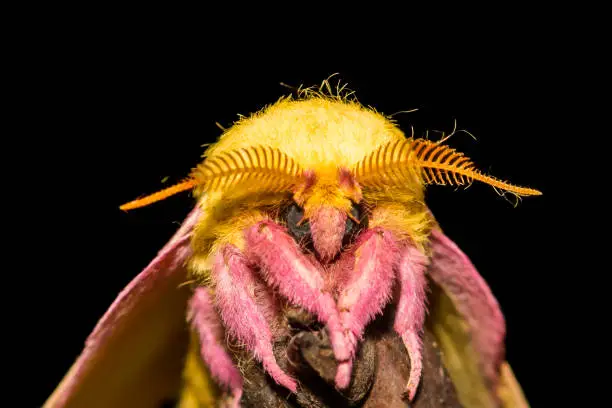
(352, 228)
(293, 216)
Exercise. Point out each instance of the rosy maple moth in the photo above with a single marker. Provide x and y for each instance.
(315, 202)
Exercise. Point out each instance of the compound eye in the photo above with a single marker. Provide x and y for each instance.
(352, 228)
(293, 216)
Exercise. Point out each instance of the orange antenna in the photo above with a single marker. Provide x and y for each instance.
(397, 162)
(443, 165)
(160, 195)
(261, 167)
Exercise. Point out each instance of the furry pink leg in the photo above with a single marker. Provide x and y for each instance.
(285, 267)
(206, 322)
(343, 374)
(242, 314)
(368, 289)
(410, 314)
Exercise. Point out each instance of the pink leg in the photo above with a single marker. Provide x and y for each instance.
(410, 314)
(243, 313)
(208, 326)
(285, 267)
(368, 289)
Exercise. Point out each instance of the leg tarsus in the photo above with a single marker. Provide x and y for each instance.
(413, 346)
(343, 374)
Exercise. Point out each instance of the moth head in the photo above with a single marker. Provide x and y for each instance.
(329, 197)
(401, 164)
(327, 187)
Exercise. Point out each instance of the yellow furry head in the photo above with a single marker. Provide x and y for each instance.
(310, 146)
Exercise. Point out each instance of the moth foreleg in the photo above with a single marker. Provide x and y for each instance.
(286, 268)
(243, 313)
(367, 290)
(410, 313)
(207, 325)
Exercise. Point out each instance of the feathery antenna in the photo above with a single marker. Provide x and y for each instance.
(160, 195)
(264, 168)
(400, 161)
(269, 168)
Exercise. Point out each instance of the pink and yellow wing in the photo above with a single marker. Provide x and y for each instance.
(134, 357)
(470, 327)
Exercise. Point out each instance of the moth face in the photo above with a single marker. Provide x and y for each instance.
(331, 238)
(326, 213)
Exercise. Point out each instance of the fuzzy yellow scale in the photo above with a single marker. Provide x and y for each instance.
(319, 133)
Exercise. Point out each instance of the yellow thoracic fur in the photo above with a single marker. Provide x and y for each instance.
(319, 133)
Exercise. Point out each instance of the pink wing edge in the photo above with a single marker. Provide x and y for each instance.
(455, 274)
(169, 262)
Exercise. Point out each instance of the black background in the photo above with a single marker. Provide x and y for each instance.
(129, 108)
